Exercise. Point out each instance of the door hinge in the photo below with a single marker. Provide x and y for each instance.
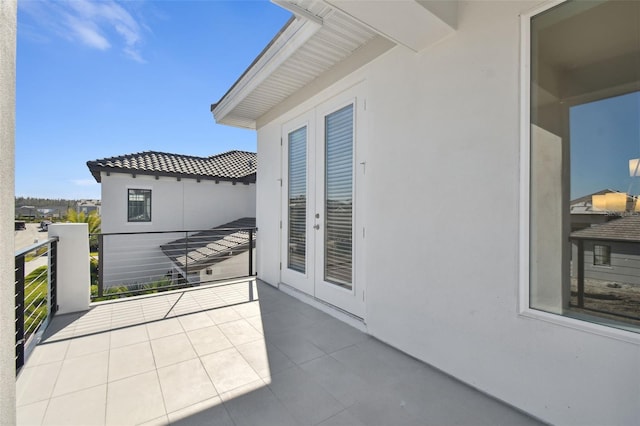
(280, 141)
(363, 232)
(280, 224)
(363, 295)
(281, 266)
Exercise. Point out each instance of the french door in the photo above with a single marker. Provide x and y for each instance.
(321, 222)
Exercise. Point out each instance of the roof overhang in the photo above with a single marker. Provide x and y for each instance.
(325, 41)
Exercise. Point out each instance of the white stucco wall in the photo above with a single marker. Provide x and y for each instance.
(442, 223)
(185, 205)
(8, 13)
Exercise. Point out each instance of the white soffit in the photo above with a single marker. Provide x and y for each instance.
(411, 23)
(305, 49)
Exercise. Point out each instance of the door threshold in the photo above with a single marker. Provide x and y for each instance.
(325, 307)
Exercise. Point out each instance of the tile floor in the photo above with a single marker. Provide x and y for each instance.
(213, 357)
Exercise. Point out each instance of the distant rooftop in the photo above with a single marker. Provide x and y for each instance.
(207, 248)
(626, 228)
(229, 166)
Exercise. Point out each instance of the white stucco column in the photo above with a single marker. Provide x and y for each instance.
(74, 277)
(8, 10)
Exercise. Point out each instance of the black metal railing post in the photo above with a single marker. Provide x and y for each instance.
(250, 252)
(580, 277)
(53, 276)
(186, 258)
(100, 265)
(19, 282)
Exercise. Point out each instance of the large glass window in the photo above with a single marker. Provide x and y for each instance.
(585, 156)
(139, 205)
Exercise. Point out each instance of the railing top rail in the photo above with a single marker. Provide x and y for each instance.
(35, 246)
(248, 228)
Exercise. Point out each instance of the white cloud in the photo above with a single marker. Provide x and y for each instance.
(96, 24)
(84, 182)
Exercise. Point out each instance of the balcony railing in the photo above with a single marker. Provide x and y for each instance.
(36, 294)
(133, 263)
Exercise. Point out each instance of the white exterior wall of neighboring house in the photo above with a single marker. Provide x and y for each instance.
(443, 130)
(233, 267)
(185, 205)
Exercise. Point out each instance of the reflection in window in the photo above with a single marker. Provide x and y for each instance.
(296, 259)
(338, 259)
(585, 162)
(139, 205)
(601, 255)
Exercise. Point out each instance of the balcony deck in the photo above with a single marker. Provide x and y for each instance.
(213, 357)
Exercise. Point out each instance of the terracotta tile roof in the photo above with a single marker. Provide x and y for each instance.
(207, 248)
(230, 165)
(626, 228)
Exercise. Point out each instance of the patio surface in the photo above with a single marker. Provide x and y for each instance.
(211, 356)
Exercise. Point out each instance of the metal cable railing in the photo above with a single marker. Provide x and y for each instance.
(35, 294)
(133, 263)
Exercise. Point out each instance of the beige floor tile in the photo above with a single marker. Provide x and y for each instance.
(129, 336)
(185, 384)
(195, 321)
(160, 421)
(172, 349)
(311, 406)
(264, 359)
(82, 373)
(85, 407)
(48, 352)
(164, 328)
(130, 361)
(209, 412)
(32, 414)
(134, 400)
(240, 332)
(223, 315)
(36, 383)
(85, 345)
(247, 310)
(256, 322)
(228, 370)
(208, 340)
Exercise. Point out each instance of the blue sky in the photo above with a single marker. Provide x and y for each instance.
(605, 135)
(97, 79)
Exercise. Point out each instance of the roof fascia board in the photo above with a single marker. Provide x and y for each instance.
(295, 36)
(250, 178)
(415, 25)
(298, 11)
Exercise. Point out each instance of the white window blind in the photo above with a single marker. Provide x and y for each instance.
(297, 141)
(338, 261)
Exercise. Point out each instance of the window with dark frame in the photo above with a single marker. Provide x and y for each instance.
(601, 255)
(139, 205)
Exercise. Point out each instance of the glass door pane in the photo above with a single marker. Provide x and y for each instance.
(338, 202)
(297, 200)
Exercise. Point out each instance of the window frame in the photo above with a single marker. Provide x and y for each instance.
(524, 309)
(606, 262)
(150, 191)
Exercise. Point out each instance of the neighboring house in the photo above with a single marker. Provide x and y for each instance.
(583, 213)
(153, 193)
(611, 251)
(414, 161)
(87, 206)
(215, 254)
